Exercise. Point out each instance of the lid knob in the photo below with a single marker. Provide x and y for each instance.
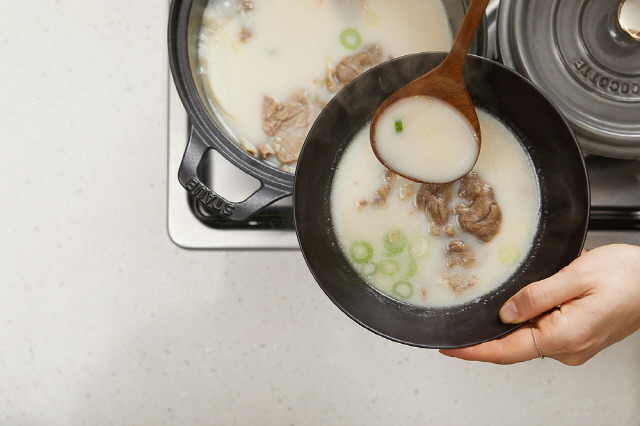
(629, 17)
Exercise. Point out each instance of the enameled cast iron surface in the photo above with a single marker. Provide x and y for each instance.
(547, 138)
(185, 19)
(579, 54)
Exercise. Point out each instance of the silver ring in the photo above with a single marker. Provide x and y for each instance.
(535, 342)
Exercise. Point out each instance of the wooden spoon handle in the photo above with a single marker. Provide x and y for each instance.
(472, 18)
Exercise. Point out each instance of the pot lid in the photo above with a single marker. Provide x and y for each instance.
(585, 55)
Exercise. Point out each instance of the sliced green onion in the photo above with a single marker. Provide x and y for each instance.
(412, 268)
(419, 246)
(403, 289)
(350, 39)
(395, 241)
(361, 251)
(389, 266)
(509, 255)
(398, 126)
(368, 269)
(371, 18)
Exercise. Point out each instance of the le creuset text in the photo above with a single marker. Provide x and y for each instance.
(606, 84)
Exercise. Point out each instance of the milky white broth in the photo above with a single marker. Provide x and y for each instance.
(502, 163)
(426, 139)
(291, 45)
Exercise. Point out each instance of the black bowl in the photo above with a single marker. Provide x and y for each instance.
(545, 135)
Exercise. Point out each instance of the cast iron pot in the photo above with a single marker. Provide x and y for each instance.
(206, 131)
(558, 162)
(581, 54)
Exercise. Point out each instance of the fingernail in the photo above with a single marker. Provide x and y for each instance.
(509, 313)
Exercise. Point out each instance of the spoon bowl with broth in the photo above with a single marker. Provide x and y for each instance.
(428, 131)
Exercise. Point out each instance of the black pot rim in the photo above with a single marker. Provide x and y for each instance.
(199, 116)
(204, 124)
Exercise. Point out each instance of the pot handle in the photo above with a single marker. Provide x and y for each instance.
(240, 211)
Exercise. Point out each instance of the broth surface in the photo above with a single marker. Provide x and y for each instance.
(426, 139)
(260, 55)
(393, 244)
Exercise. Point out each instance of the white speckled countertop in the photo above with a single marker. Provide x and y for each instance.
(105, 321)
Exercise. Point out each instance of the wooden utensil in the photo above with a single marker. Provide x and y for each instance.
(445, 82)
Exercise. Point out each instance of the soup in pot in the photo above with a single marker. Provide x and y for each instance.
(270, 66)
(437, 245)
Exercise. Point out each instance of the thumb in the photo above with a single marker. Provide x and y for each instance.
(541, 296)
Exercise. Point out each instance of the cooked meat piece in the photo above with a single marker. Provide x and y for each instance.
(246, 5)
(288, 148)
(459, 283)
(391, 182)
(330, 79)
(482, 217)
(406, 188)
(248, 147)
(390, 176)
(382, 194)
(286, 116)
(300, 96)
(459, 254)
(457, 247)
(424, 294)
(471, 186)
(349, 68)
(245, 34)
(407, 192)
(449, 230)
(354, 65)
(288, 123)
(434, 200)
(265, 150)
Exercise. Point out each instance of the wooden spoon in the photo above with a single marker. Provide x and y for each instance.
(446, 83)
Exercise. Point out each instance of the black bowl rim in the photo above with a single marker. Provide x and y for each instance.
(507, 328)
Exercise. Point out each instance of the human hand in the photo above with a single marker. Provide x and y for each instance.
(589, 305)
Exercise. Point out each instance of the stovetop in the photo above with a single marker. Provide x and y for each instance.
(615, 197)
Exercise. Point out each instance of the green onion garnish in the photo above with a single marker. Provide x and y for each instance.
(398, 125)
(509, 254)
(403, 289)
(419, 246)
(412, 268)
(361, 252)
(350, 39)
(368, 269)
(389, 266)
(395, 241)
